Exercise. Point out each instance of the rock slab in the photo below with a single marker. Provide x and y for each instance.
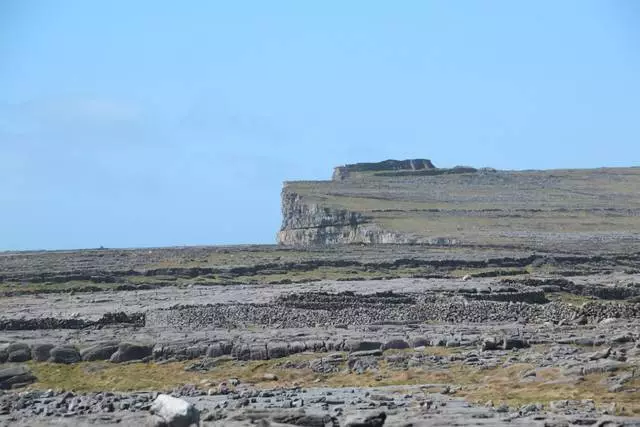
(168, 411)
(15, 376)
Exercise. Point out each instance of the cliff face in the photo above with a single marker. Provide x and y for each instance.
(308, 223)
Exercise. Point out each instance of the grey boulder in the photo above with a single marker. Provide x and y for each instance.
(241, 351)
(102, 351)
(280, 417)
(15, 352)
(419, 342)
(277, 350)
(215, 350)
(20, 355)
(128, 351)
(258, 352)
(362, 345)
(64, 354)
(168, 411)
(41, 352)
(375, 419)
(15, 376)
(514, 342)
(395, 344)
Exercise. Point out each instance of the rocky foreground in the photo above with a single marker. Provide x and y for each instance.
(464, 297)
(312, 407)
(359, 336)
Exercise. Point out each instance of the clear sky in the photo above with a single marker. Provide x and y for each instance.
(151, 123)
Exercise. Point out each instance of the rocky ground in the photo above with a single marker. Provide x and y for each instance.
(403, 335)
(389, 406)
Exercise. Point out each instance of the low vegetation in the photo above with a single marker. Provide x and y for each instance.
(506, 385)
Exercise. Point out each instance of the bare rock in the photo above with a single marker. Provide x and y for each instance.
(276, 350)
(365, 353)
(315, 345)
(289, 417)
(366, 420)
(3, 353)
(241, 351)
(395, 344)
(514, 342)
(15, 352)
(218, 349)
(296, 347)
(102, 351)
(419, 342)
(622, 338)
(489, 343)
(14, 376)
(20, 355)
(270, 377)
(168, 411)
(258, 352)
(602, 366)
(355, 345)
(64, 354)
(41, 352)
(602, 354)
(127, 352)
(580, 320)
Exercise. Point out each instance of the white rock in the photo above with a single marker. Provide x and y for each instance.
(173, 412)
(608, 320)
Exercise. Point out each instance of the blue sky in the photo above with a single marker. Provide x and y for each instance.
(152, 123)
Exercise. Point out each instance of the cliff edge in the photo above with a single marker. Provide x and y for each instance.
(413, 202)
(343, 172)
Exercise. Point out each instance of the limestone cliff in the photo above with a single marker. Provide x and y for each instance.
(307, 223)
(411, 201)
(313, 212)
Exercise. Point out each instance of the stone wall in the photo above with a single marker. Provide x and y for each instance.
(243, 315)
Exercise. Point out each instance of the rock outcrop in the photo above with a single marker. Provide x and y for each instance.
(169, 411)
(308, 223)
(343, 172)
(15, 376)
